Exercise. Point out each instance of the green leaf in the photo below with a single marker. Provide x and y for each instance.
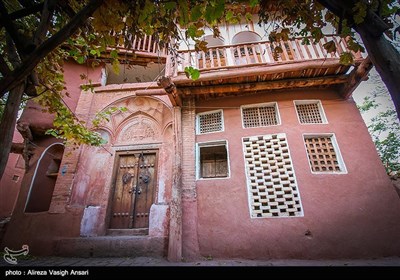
(317, 34)
(183, 13)
(253, 3)
(229, 16)
(249, 17)
(195, 74)
(196, 13)
(52, 132)
(170, 5)
(330, 46)
(115, 66)
(194, 32)
(359, 12)
(209, 14)
(80, 59)
(346, 58)
(192, 73)
(219, 9)
(114, 54)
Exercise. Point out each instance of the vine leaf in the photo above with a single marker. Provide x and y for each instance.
(192, 73)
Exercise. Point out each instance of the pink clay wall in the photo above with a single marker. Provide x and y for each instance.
(9, 188)
(345, 215)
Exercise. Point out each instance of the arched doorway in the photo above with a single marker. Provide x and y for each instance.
(142, 148)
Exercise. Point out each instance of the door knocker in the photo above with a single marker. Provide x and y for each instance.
(145, 178)
(126, 177)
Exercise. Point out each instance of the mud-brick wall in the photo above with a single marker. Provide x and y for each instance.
(353, 214)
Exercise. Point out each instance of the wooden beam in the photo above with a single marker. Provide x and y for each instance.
(26, 11)
(262, 86)
(356, 76)
(19, 41)
(175, 100)
(170, 88)
(24, 129)
(45, 21)
(259, 70)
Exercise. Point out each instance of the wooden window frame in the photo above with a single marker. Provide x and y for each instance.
(199, 163)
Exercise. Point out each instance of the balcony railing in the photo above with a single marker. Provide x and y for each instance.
(145, 43)
(263, 52)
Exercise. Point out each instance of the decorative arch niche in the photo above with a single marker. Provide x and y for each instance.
(44, 179)
(249, 52)
(143, 121)
(139, 129)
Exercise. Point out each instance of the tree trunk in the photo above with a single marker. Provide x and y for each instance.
(7, 124)
(386, 60)
(382, 53)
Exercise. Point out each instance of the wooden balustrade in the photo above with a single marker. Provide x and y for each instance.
(145, 43)
(263, 52)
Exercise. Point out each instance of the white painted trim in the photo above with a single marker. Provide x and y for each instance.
(311, 101)
(248, 179)
(211, 144)
(258, 105)
(343, 169)
(36, 168)
(206, 113)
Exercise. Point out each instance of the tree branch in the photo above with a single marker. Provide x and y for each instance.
(43, 27)
(376, 25)
(4, 69)
(66, 8)
(19, 74)
(26, 12)
(11, 29)
(26, 3)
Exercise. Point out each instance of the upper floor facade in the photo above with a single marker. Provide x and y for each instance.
(242, 60)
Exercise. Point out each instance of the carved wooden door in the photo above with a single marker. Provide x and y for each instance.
(134, 190)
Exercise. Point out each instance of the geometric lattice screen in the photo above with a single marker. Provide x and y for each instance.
(322, 155)
(309, 112)
(271, 181)
(210, 122)
(260, 116)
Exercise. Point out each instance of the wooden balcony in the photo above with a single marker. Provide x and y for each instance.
(253, 67)
(140, 49)
(259, 53)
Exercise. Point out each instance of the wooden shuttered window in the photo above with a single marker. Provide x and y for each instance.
(213, 162)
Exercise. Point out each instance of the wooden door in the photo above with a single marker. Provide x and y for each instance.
(134, 190)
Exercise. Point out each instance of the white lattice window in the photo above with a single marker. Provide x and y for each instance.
(310, 111)
(323, 154)
(260, 115)
(212, 160)
(210, 122)
(271, 182)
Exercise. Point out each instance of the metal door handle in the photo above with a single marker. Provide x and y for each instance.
(133, 189)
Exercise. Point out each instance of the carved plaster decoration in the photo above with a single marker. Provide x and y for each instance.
(139, 129)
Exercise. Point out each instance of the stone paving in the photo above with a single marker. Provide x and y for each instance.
(147, 261)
